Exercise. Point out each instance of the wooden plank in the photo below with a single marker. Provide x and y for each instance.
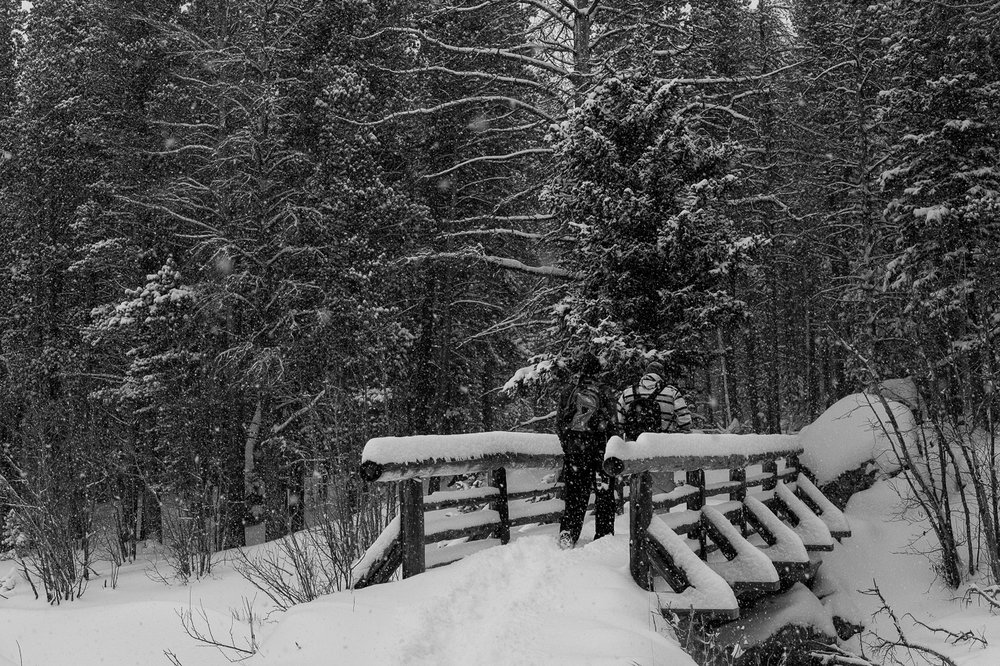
(447, 499)
(663, 565)
(722, 488)
(411, 526)
(528, 513)
(381, 571)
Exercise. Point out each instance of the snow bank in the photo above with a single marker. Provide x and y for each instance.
(469, 446)
(851, 433)
(526, 603)
(798, 608)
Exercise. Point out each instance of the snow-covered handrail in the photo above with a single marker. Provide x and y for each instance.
(400, 458)
(675, 452)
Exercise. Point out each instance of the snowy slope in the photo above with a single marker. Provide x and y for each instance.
(882, 549)
(525, 603)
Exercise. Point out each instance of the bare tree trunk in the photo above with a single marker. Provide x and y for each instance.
(253, 489)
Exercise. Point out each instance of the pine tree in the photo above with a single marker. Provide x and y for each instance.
(644, 186)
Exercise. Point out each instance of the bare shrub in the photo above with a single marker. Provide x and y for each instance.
(192, 533)
(318, 560)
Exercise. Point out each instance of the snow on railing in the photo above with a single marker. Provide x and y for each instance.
(406, 460)
(675, 452)
(399, 458)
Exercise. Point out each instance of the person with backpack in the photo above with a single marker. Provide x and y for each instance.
(584, 421)
(652, 405)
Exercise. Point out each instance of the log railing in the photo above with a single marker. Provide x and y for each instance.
(723, 526)
(657, 542)
(408, 460)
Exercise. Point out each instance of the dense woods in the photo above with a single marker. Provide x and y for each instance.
(240, 237)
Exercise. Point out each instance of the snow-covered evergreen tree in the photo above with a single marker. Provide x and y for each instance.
(644, 187)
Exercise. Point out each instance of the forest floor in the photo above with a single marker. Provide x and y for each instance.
(526, 603)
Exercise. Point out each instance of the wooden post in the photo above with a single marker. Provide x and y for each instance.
(640, 513)
(411, 526)
(770, 467)
(500, 505)
(792, 461)
(740, 494)
(696, 477)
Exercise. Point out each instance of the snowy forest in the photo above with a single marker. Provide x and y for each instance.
(239, 238)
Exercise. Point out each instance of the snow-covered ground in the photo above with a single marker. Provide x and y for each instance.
(526, 603)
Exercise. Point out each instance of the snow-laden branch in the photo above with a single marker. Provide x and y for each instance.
(540, 217)
(276, 429)
(476, 74)
(713, 107)
(490, 158)
(497, 52)
(512, 102)
(708, 81)
(503, 262)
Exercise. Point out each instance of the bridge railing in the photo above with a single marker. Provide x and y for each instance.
(408, 460)
(656, 551)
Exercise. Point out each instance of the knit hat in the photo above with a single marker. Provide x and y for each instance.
(654, 368)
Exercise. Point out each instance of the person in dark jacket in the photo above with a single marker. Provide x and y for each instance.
(584, 422)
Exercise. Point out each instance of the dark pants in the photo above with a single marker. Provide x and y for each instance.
(583, 473)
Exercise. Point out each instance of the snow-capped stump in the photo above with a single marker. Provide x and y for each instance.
(833, 517)
(696, 588)
(808, 526)
(746, 569)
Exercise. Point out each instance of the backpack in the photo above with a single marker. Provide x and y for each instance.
(643, 413)
(586, 403)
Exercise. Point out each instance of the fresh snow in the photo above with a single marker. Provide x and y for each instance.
(469, 446)
(851, 433)
(659, 445)
(797, 607)
(811, 529)
(708, 590)
(524, 603)
(750, 564)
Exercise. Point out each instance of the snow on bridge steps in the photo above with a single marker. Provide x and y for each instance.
(777, 560)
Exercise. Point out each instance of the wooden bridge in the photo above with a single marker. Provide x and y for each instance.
(760, 533)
